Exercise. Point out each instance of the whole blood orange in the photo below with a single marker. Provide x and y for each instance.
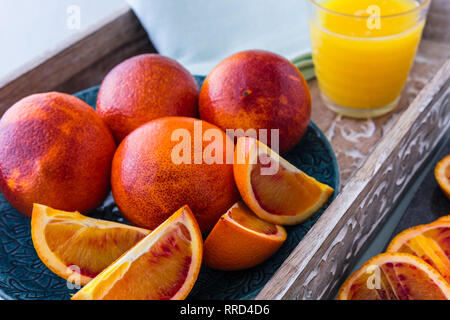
(149, 182)
(163, 266)
(258, 90)
(144, 88)
(56, 151)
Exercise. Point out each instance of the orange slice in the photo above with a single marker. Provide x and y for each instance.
(442, 174)
(164, 265)
(274, 189)
(395, 276)
(444, 218)
(77, 247)
(429, 242)
(241, 240)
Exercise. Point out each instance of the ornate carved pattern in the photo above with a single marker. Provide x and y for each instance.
(325, 271)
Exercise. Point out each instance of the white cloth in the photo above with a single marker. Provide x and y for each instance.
(200, 33)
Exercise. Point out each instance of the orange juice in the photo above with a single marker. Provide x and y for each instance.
(363, 51)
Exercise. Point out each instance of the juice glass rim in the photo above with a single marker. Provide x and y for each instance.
(422, 5)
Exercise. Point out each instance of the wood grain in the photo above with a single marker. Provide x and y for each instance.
(321, 260)
(376, 157)
(438, 21)
(354, 140)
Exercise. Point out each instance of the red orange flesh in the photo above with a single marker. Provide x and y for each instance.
(429, 242)
(277, 191)
(78, 247)
(395, 276)
(164, 265)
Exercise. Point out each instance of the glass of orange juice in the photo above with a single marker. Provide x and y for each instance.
(363, 51)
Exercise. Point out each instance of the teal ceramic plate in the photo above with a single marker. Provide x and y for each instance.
(24, 276)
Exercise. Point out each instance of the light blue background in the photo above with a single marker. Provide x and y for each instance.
(197, 33)
(29, 28)
(200, 33)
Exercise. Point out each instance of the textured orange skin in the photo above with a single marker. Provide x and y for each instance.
(257, 90)
(55, 151)
(144, 88)
(148, 187)
(230, 247)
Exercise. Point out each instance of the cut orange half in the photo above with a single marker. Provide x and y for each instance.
(273, 188)
(429, 242)
(442, 174)
(395, 276)
(77, 247)
(163, 266)
(241, 240)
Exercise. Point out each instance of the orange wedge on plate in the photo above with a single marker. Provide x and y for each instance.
(164, 265)
(429, 242)
(395, 276)
(442, 174)
(77, 247)
(241, 240)
(274, 189)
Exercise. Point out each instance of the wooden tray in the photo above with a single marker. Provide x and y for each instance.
(377, 158)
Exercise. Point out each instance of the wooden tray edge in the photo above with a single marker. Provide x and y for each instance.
(323, 257)
(119, 35)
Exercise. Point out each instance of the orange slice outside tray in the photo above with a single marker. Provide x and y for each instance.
(274, 189)
(442, 175)
(444, 218)
(395, 276)
(241, 240)
(164, 265)
(429, 242)
(77, 247)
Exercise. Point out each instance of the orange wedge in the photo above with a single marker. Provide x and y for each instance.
(275, 190)
(442, 174)
(77, 247)
(241, 240)
(164, 265)
(395, 276)
(429, 242)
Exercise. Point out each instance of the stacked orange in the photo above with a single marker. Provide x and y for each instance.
(415, 267)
